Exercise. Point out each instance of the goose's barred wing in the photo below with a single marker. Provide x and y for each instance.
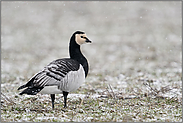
(59, 68)
(52, 74)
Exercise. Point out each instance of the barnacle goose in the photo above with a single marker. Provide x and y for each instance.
(62, 75)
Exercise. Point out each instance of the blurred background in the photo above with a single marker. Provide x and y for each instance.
(135, 57)
(130, 39)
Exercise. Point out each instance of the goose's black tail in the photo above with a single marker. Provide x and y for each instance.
(21, 87)
(31, 89)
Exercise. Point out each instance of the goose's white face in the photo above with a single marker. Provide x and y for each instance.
(81, 39)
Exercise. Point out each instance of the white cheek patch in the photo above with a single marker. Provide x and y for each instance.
(80, 40)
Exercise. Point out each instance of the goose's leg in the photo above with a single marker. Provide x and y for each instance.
(65, 98)
(52, 100)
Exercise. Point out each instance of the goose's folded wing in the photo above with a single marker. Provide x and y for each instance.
(52, 74)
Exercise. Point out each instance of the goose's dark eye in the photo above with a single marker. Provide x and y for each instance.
(81, 36)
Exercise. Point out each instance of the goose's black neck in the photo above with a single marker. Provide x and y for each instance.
(75, 53)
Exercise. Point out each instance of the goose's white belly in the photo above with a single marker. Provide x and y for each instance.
(51, 90)
(71, 82)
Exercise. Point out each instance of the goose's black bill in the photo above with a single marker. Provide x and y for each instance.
(88, 41)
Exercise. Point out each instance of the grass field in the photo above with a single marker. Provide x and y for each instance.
(135, 60)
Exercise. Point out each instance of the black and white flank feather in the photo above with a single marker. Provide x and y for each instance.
(62, 75)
